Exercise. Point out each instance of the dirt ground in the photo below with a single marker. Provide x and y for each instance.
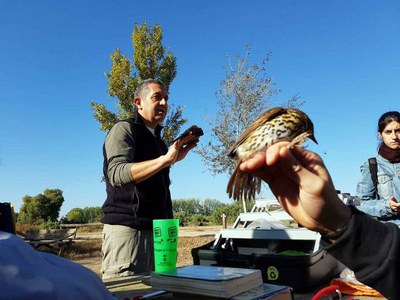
(189, 238)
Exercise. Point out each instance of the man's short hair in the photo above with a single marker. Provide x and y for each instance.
(143, 88)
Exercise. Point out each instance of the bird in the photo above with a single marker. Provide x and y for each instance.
(275, 125)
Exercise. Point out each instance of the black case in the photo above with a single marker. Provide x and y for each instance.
(302, 273)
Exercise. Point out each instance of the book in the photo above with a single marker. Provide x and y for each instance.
(210, 281)
(266, 291)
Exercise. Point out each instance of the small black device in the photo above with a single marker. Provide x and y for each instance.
(196, 131)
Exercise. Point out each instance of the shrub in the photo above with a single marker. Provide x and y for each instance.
(231, 212)
(184, 218)
(49, 224)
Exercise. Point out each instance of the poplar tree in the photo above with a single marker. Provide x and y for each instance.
(150, 60)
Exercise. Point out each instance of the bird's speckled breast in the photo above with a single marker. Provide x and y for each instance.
(271, 132)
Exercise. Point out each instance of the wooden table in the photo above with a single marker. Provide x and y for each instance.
(128, 287)
(55, 240)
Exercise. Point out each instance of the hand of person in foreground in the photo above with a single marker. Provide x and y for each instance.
(302, 184)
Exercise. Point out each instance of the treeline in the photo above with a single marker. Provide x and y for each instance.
(190, 212)
(83, 215)
(193, 212)
(42, 211)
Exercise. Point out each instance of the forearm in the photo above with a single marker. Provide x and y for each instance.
(121, 173)
(376, 207)
(141, 171)
(336, 221)
(376, 247)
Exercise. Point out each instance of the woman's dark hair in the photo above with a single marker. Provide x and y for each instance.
(386, 118)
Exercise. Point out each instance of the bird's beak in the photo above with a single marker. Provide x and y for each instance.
(312, 137)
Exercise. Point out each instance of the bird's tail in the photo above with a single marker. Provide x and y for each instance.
(242, 185)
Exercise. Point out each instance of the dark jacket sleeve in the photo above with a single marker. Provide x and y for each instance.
(372, 250)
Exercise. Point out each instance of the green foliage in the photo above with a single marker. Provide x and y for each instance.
(216, 216)
(149, 57)
(190, 206)
(210, 205)
(84, 216)
(49, 224)
(196, 213)
(231, 212)
(150, 60)
(75, 215)
(195, 206)
(41, 208)
(184, 218)
(93, 214)
(187, 219)
(198, 220)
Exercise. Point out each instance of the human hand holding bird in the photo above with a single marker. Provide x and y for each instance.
(276, 125)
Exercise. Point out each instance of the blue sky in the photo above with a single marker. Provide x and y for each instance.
(342, 57)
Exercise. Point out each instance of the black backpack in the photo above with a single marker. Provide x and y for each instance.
(373, 168)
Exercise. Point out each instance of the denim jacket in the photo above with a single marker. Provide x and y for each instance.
(376, 202)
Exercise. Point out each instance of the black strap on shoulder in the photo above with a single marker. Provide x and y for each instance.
(373, 168)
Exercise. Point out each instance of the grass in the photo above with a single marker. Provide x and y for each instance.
(84, 249)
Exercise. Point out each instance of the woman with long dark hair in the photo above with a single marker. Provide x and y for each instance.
(379, 186)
